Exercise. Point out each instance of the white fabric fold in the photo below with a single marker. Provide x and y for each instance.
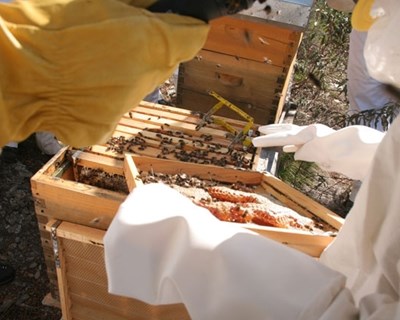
(367, 248)
(161, 248)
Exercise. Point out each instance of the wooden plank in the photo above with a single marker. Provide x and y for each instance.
(87, 309)
(256, 41)
(254, 87)
(155, 152)
(86, 292)
(142, 121)
(241, 67)
(170, 111)
(289, 192)
(65, 301)
(79, 233)
(77, 202)
(203, 103)
(287, 201)
(155, 113)
(303, 241)
(153, 138)
(175, 113)
(168, 125)
(243, 80)
(213, 152)
(85, 270)
(285, 89)
(131, 173)
(208, 172)
(42, 219)
(84, 281)
(106, 164)
(217, 132)
(51, 165)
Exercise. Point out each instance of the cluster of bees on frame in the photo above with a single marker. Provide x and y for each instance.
(101, 179)
(174, 144)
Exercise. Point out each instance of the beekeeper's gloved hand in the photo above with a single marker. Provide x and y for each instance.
(74, 67)
(348, 151)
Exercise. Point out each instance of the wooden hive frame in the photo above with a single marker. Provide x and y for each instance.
(154, 122)
(265, 183)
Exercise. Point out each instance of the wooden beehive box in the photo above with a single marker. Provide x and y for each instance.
(59, 196)
(247, 61)
(81, 275)
(61, 193)
(148, 129)
(83, 280)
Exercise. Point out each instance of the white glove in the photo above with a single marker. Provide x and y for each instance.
(348, 151)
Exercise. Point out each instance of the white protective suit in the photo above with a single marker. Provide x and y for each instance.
(364, 92)
(170, 250)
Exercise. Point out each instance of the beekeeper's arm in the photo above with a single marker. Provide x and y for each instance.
(348, 151)
(172, 251)
(366, 249)
(74, 67)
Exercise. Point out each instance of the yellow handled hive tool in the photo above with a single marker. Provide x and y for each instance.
(243, 136)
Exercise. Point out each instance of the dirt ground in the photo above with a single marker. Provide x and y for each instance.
(19, 239)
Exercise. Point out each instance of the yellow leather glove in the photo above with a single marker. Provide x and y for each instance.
(74, 67)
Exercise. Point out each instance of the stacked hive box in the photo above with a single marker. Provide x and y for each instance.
(246, 60)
